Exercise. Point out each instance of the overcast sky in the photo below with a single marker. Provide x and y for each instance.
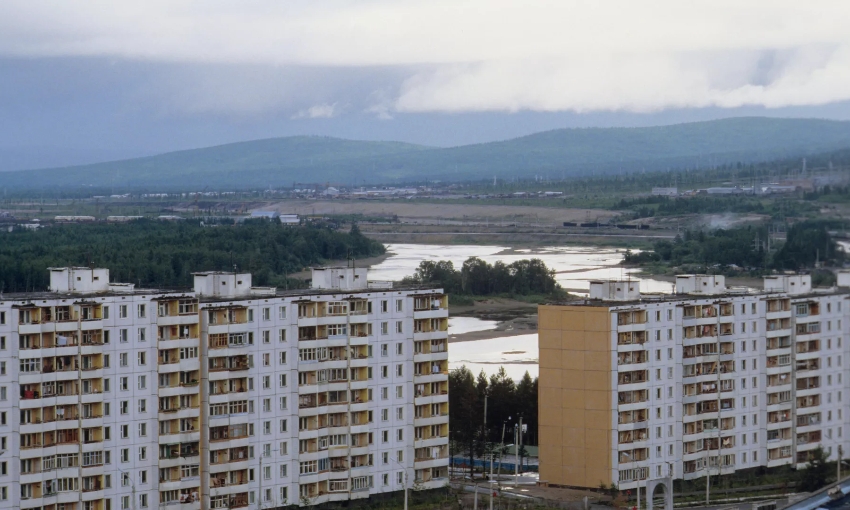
(87, 81)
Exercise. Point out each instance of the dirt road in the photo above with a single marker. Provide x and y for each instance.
(423, 212)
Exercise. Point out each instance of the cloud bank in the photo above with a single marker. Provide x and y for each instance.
(472, 55)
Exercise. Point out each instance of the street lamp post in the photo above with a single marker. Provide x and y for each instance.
(132, 486)
(260, 503)
(405, 481)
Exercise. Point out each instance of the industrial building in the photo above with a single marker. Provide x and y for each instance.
(643, 388)
(223, 396)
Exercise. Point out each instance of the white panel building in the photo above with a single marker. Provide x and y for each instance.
(708, 380)
(226, 396)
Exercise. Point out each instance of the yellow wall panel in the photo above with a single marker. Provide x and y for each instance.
(575, 368)
(548, 317)
(599, 400)
(572, 379)
(553, 376)
(573, 418)
(597, 419)
(573, 399)
(548, 339)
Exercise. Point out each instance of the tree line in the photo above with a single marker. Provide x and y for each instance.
(165, 254)
(651, 206)
(806, 243)
(507, 401)
(479, 278)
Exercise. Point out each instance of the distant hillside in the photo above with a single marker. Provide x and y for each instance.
(562, 152)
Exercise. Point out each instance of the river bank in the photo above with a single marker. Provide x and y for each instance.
(510, 316)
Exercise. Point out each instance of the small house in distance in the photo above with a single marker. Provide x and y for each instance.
(665, 192)
(265, 214)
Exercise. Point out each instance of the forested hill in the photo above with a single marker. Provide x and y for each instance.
(564, 152)
(156, 254)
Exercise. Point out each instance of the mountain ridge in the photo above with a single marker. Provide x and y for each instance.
(560, 152)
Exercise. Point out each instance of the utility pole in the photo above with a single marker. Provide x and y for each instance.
(516, 456)
(490, 483)
(517, 448)
(638, 489)
(405, 489)
(484, 438)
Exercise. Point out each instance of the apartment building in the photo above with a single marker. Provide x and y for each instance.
(222, 396)
(636, 388)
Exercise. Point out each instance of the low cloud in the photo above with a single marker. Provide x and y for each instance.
(476, 55)
(319, 111)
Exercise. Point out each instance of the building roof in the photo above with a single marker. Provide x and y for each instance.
(647, 298)
(185, 292)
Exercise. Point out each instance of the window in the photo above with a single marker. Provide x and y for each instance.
(282, 358)
(124, 406)
(282, 380)
(122, 311)
(399, 348)
(250, 315)
(385, 328)
(399, 370)
(284, 425)
(143, 429)
(267, 336)
(267, 314)
(143, 382)
(142, 358)
(398, 327)
(281, 312)
(143, 405)
(281, 335)
(399, 305)
(384, 306)
(399, 392)
(122, 336)
(384, 371)
(141, 334)
(267, 359)
(141, 311)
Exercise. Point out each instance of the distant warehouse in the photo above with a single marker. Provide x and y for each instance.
(74, 219)
(122, 219)
(665, 192)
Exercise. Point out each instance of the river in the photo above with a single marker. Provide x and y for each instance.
(574, 267)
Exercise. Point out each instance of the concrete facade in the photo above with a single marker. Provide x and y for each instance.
(675, 385)
(224, 396)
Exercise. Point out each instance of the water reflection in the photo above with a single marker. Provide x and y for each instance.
(461, 325)
(575, 266)
(518, 354)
